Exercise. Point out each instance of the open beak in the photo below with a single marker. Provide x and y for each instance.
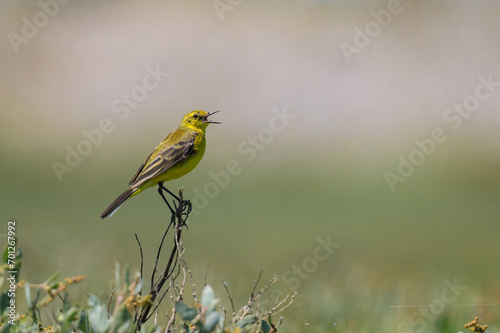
(206, 121)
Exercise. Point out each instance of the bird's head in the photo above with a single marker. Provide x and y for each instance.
(197, 119)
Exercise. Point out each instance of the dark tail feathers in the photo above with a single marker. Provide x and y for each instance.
(117, 203)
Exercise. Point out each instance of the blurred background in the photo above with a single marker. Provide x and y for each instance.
(328, 110)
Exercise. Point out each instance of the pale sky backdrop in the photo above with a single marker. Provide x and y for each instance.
(259, 57)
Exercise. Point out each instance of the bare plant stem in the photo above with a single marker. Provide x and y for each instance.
(179, 217)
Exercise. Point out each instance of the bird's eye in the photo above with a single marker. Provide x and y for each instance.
(196, 116)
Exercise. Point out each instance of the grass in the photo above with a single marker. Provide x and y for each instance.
(396, 248)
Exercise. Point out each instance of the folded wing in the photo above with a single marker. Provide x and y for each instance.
(174, 149)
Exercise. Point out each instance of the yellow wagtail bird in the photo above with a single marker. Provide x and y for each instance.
(178, 154)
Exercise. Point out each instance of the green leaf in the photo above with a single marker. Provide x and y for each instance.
(5, 254)
(19, 260)
(93, 300)
(126, 275)
(208, 297)
(4, 302)
(122, 320)
(221, 324)
(27, 294)
(117, 275)
(126, 328)
(98, 315)
(66, 302)
(187, 313)
(211, 321)
(248, 320)
(6, 328)
(54, 285)
(69, 317)
(51, 279)
(138, 288)
(83, 322)
(265, 327)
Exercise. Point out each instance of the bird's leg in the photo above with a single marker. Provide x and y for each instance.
(181, 202)
(184, 202)
(180, 208)
(166, 189)
(165, 199)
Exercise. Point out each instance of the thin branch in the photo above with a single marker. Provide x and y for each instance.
(246, 309)
(195, 298)
(179, 218)
(283, 308)
(256, 327)
(142, 256)
(229, 296)
(163, 278)
(205, 277)
(254, 287)
(110, 299)
(158, 255)
(266, 287)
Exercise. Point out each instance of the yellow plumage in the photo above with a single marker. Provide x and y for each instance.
(178, 154)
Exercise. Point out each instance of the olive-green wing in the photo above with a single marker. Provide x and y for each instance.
(167, 141)
(140, 170)
(174, 149)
